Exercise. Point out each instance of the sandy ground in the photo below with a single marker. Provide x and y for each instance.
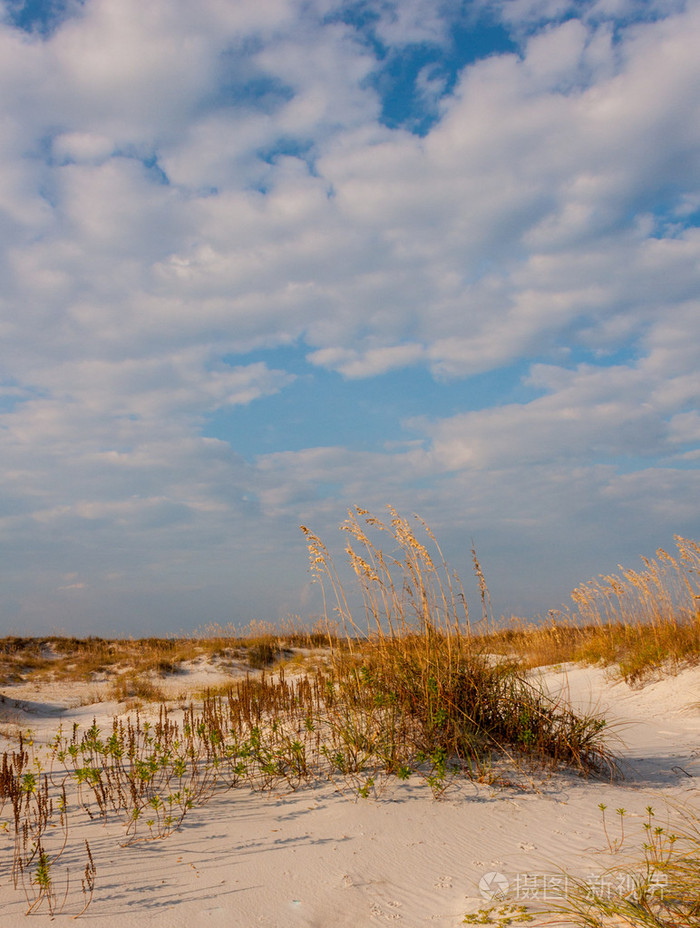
(319, 858)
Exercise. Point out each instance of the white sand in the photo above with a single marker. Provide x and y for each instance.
(318, 858)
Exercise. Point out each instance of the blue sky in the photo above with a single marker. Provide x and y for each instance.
(260, 263)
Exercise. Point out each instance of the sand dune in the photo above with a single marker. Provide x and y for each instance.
(322, 857)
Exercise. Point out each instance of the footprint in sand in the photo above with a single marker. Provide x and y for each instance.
(376, 910)
(443, 882)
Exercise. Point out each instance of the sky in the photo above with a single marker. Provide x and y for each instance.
(261, 262)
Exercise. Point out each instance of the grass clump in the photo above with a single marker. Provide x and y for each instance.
(501, 916)
(646, 619)
(414, 656)
(261, 654)
(135, 686)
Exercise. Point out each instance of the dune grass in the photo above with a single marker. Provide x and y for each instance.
(138, 663)
(414, 650)
(639, 622)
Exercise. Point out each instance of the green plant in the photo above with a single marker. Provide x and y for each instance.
(502, 916)
(614, 845)
(661, 891)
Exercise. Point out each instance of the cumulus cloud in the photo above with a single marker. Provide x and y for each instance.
(182, 186)
(587, 413)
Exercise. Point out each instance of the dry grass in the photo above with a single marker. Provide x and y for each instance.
(640, 621)
(94, 660)
(133, 686)
(414, 652)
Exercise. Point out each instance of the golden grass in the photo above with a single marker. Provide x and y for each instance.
(641, 622)
(74, 660)
(413, 646)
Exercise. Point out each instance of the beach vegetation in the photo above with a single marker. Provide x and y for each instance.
(396, 681)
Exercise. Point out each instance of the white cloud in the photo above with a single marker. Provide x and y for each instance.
(587, 413)
(552, 55)
(180, 183)
(405, 22)
(82, 146)
(369, 363)
(515, 172)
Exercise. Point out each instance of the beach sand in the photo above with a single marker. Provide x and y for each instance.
(323, 857)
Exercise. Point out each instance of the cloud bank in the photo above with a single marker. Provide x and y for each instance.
(206, 212)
